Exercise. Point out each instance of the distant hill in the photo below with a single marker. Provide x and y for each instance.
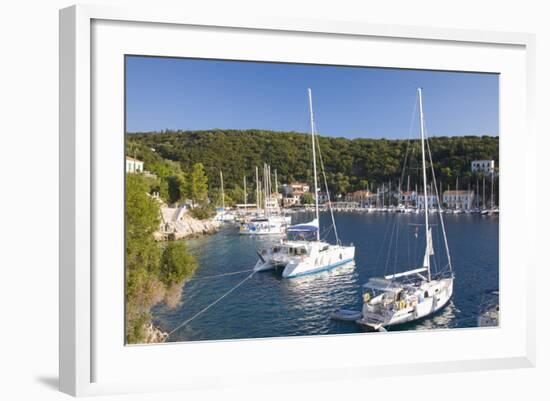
(350, 163)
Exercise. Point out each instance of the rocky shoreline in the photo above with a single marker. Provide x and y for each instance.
(154, 334)
(177, 223)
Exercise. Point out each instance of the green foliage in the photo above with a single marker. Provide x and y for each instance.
(215, 196)
(203, 212)
(176, 264)
(149, 271)
(307, 199)
(142, 212)
(198, 184)
(142, 254)
(176, 188)
(235, 195)
(350, 164)
(169, 180)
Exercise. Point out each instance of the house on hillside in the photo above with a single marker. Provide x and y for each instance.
(291, 200)
(362, 197)
(484, 166)
(133, 165)
(299, 188)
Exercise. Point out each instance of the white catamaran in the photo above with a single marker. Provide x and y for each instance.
(299, 255)
(414, 294)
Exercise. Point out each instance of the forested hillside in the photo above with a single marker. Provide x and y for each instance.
(350, 163)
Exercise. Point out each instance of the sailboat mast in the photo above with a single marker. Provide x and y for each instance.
(424, 178)
(223, 197)
(265, 191)
(315, 195)
(456, 194)
(257, 192)
(408, 191)
(483, 191)
(492, 190)
(244, 187)
(477, 193)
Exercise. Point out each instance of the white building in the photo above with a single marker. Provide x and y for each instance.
(133, 165)
(407, 197)
(299, 188)
(432, 201)
(292, 200)
(322, 197)
(272, 203)
(360, 196)
(458, 199)
(484, 166)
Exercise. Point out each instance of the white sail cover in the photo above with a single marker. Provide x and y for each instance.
(305, 227)
(429, 248)
(407, 273)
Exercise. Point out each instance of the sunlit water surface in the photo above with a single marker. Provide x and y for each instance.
(268, 306)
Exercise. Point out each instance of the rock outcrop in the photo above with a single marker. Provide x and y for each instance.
(177, 223)
(154, 334)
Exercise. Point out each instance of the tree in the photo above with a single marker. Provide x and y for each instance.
(198, 185)
(152, 274)
(176, 264)
(307, 198)
(348, 162)
(177, 188)
(363, 184)
(142, 255)
(341, 183)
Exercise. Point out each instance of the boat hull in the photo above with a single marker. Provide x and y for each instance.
(335, 256)
(442, 293)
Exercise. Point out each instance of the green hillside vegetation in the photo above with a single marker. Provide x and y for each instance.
(154, 272)
(351, 164)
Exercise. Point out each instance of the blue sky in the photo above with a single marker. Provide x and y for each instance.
(189, 94)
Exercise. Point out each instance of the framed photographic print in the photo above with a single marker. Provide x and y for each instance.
(338, 195)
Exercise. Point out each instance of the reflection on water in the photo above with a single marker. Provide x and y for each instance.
(441, 320)
(267, 305)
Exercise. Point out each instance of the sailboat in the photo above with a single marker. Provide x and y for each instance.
(222, 214)
(303, 252)
(410, 295)
(271, 222)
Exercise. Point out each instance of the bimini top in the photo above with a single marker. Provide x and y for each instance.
(305, 227)
(381, 284)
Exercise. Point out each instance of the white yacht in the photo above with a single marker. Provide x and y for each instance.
(410, 295)
(299, 254)
(270, 225)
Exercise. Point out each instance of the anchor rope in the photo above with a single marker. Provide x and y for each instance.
(220, 275)
(210, 305)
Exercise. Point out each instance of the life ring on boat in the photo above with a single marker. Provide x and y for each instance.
(366, 297)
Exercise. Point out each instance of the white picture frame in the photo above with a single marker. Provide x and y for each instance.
(84, 347)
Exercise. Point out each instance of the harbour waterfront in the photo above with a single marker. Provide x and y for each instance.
(268, 306)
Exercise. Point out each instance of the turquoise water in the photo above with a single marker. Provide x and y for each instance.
(268, 306)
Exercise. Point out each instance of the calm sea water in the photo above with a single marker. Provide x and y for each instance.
(268, 306)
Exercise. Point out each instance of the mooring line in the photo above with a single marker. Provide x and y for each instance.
(211, 305)
(220, 275)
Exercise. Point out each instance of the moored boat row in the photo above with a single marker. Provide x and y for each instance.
(405, 296)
